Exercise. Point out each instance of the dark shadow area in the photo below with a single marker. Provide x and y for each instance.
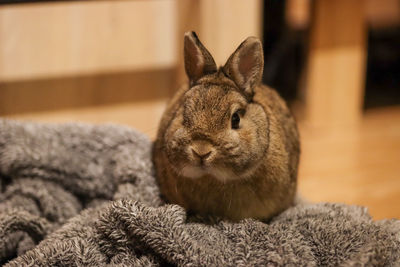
(383, 68)
(284, 51)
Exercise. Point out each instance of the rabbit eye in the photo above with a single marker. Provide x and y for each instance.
(235, 120)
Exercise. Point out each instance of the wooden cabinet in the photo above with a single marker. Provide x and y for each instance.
(85, 60)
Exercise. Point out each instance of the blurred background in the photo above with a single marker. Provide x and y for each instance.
(336, 62)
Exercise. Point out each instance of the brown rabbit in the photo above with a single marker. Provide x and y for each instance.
(226, 144)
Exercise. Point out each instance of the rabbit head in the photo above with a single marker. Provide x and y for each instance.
(216, 129)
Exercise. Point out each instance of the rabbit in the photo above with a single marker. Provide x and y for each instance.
(227, 146)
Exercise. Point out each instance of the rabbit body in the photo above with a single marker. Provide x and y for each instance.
(227, 145)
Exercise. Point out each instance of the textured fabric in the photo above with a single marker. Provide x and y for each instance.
(84, 195)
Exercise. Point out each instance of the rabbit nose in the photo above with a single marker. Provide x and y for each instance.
(202, 155)
(202, 150)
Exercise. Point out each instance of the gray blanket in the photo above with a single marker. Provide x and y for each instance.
(84, 195)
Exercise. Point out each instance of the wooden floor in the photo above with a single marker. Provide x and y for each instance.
(358, 165)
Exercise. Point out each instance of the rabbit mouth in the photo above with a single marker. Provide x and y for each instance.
(193, 171)
(220, 174)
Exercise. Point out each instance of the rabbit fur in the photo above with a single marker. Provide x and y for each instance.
(227, 145)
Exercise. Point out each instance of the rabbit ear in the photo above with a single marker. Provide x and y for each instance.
(245, 66)
(198, 61)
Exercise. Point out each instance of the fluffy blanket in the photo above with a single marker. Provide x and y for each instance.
(85, 195)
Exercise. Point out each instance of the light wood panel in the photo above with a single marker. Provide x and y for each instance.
(44, 40)
(226, 23)
(336, 63)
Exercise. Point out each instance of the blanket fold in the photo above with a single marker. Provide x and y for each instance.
(85, 195)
